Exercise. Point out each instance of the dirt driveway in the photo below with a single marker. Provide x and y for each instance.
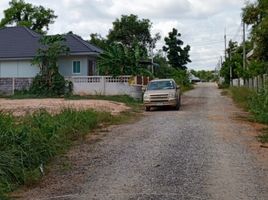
(200, 152)
(23, 106)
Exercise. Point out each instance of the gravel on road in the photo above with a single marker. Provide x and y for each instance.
(199, 152)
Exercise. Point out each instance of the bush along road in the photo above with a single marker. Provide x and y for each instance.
(200, 152)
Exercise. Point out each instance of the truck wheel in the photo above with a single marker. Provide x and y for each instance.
(147, 108)
(178, 105)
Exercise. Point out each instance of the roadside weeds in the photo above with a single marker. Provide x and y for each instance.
(30, 143)
(251, 102)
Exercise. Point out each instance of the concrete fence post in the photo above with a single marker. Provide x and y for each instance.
(13, 85)
(103, 79)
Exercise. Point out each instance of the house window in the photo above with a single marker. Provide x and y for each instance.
(76, 67)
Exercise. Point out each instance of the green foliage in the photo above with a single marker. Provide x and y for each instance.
(129, 101)
(99, 41)
(242, 96)
(177, 55)
(255, 102)
(250, 13)
(256, 14)
(260, 36)
(27, 142)
(234, 60)
(119, 60)
(204, 75)
(181, 77)
(263, 138)
(20, 13)
(50, 82)
(255, 68)
(126, 46)
(56, 87)
(131, 31)
(259, 105)
(165, 71)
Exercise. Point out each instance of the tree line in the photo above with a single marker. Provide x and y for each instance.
(254, 15)
(128, 48)
(129, 44)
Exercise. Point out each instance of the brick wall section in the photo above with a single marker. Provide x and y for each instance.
(23, 83)
(7, 85)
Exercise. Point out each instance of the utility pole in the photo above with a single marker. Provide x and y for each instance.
(152, 60)
(230, 57)
(244, 49)
(225, 44)
(231, 69)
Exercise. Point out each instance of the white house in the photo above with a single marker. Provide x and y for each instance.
(18, 46)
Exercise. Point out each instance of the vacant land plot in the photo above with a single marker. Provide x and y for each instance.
(23, 106)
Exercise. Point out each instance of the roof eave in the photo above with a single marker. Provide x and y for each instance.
(84, 54)
(16, 58)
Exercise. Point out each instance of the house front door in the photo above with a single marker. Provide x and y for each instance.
(90, 68)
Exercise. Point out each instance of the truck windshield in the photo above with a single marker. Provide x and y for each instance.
(161, 85)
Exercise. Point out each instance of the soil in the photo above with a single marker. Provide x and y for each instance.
(23, 106)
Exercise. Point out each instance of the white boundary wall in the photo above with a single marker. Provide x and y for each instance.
(82, 85)
(105, 85)
(255, 83)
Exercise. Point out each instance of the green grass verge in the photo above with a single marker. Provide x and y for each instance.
(263, 138)
(254, 102)
(118, 98)
(185, 88)
(28, 142)
(242, 96)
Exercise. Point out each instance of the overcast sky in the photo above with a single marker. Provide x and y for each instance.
(201, 22)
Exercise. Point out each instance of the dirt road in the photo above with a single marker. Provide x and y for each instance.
(199, 152)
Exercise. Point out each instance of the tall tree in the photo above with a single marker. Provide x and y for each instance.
(99, 41)
(234, 62)
(178, 55)
(131, 31)
(256, 14)
(21, 13)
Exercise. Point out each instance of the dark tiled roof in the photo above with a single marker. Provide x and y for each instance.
(21, 42)
(78, 45)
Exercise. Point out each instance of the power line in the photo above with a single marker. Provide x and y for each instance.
(207, 45)
(206, 42)
(205, 59)
(237, 32)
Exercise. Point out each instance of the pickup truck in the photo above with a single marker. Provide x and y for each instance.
(162, 92)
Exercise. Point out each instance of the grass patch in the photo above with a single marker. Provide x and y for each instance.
(135, 104)
(263, 138)
(185, 88)
(254, 102)
(241, 96)
(223, 86)
(28, 142)
(25, 94)
(249, 100)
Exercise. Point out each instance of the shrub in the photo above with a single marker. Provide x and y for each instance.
(259, 105)
(56, 86)
(242, 96)
(255, 102)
